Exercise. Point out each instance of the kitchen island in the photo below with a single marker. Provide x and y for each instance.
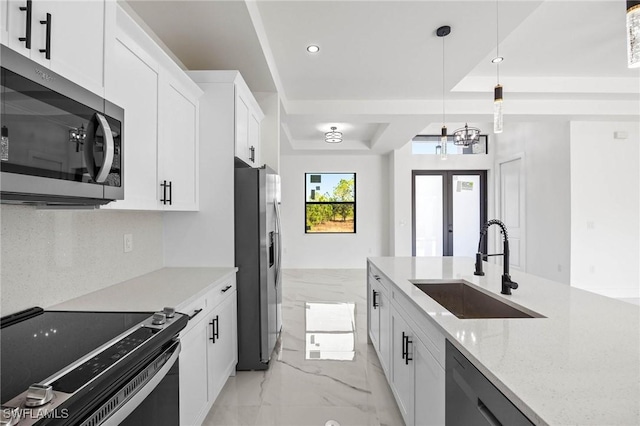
(579, 364)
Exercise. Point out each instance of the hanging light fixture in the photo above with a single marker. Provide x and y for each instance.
(466, 136)
(442, 32)
(633, 33)
(333, 136)
(497, 91)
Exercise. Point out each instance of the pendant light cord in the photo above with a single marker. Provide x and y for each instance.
(497, 44)
(443, 116)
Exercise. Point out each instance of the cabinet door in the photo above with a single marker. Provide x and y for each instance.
(222, 351)
(374, 312)
(77, 40)
(429, 388)
(402, 370)
(254, 141)
(242, 129)
(132, 83)
(16, 28)
(178, 155)
(193, 374)
(385, 330)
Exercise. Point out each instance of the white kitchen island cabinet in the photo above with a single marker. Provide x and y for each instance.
(416, 378)
(73, 32)
(161, 123)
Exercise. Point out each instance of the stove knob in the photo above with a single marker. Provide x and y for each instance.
(38, 395)
(159, 318)
(10, 416)
(169, 312)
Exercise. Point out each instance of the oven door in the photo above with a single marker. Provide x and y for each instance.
(149, 397)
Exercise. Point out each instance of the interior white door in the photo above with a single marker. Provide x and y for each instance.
(511, 190)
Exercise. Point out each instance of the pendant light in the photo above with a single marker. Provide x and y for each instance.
(633, 33)
(442, 32)
(497, 91)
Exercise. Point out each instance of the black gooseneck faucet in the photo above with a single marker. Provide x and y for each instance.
(507, 283)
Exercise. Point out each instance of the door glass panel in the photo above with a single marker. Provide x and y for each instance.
(466, 214)
(429, 215)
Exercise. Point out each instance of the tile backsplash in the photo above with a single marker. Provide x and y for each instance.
(49, 256)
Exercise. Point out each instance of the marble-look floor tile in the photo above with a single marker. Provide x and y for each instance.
(301, 391)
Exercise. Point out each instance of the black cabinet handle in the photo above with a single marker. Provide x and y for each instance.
(252, 157)
(215, 329)
(375, 303)
(166, 200)
(224, 290)
(47, 49)
(195, 312)
(377, 277)
(27, 36)
(170, 192)
(405, 348)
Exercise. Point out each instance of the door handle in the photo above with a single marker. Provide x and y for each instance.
(47, 49)
(405, 348)
(99, 174)
(27, 37)
(375, 303)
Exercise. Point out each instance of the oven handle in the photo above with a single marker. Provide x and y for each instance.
(132, 403)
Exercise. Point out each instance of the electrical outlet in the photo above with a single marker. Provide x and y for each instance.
(128, 243)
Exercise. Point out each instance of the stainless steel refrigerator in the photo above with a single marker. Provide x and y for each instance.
(257, 253)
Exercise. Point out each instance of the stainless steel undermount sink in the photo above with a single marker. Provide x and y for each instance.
(466, 302)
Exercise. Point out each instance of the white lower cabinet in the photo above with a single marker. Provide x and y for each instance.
(402, 366)
(193, 377)
(415, 370)
(209, 351)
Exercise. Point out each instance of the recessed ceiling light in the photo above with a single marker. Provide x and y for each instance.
(497, 59)
(313, 48)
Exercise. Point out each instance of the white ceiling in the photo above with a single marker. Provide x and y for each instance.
(378, 75)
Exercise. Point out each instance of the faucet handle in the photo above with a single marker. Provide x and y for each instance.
(478, 270)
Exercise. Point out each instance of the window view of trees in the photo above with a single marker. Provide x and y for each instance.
(330, 203)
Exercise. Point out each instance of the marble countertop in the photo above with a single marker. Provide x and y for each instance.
(175, 287)
(578, 366)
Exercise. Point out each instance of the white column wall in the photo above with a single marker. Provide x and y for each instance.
(605, 213)
(302, 250)
(547, 194)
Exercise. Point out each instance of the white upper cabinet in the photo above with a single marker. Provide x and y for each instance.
(161, 123)
(178, 147)
(67, 37)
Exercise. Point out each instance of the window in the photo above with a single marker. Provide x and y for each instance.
(430, 144)
(330, 203)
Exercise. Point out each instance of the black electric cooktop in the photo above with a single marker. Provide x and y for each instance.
(35, 348)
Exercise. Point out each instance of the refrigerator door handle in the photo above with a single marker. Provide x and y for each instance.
(278, 242)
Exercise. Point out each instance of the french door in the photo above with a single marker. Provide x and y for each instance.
(449, 207)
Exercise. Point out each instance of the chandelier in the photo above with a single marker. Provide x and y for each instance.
(466, 136)
(333, 136)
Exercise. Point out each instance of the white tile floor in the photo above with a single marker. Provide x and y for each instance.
(297, 391)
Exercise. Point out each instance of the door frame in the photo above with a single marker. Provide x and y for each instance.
(498, 204)
(447, 237)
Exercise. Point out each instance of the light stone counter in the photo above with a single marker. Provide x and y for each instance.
(578, 366)
(175, 287)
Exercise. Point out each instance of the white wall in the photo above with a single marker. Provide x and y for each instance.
(403, 163)
(605, 208)
(49, 256)
(206, 237)
(547, 194)
(302, 250)
(269, 129)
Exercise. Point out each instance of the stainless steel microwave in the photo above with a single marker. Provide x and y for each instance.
(61, 144)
